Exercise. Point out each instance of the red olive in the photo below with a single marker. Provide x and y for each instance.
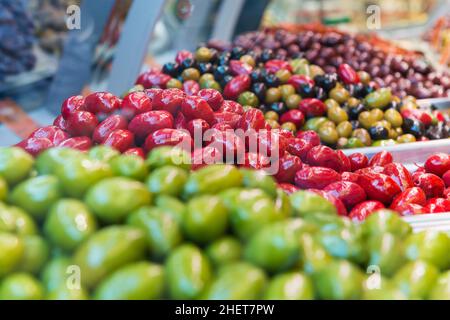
(197, 127)
(113, 122)
(349, 193)
(288, 165)
(312, 107)
(53, 133)
(72, 104)
(400, 174)
(255, 161)
(213, 97)
(227, 143)
(236, 86)
(145, 123)
(288, 188)
(379, 187)
(168, 100)
(34, 146)
(358, 161)
(153, 79)
(315, 177)
(60, 123)
(411, 195)
(299, 147)
(438, 164)
(196, 108)
(152, 92)
(324, 156)
(269, 143)
(337, 203)
(431, 184)
(252, 119)
(349, 176)
(221, 126)
(231, 119)
(409, 209)
(231, 106)
(274, 65)
(169, 137)
(135, 103)
(191, 87)
(345, 161)
(120, 140)
(381, 158)
(205, 156)
(437, 205)
(362, 210)
(102, 103)
(297, 80)
(136, 151)
(311, 136)
(295, 116)
(347, 74)
(79, 143)
(446, 178)
(238, 67)
(82, 123)
(180, 121)
(183, 55)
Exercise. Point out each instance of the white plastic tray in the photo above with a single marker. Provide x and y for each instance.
(434, 221)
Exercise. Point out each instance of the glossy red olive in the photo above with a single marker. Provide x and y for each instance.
(323, 156)
(446, 178)
(183, 55)
(79, 143)
(431, 184)
(136, 151)
(379, 187)
(60, 122)
(409, 209)
(274, 65)
(110, 124)
(381, 158)
(213, 97)
(236, 86)
(53, 133)
(180, 121)
(312, 107)
(437, 205)
(362, 210)
(252, 119)
(191, 87)
(255, 161)
(102, 103)
(347, 74)
(145, 123)
(153, 79)
(169, 137)
(197, 108)
(411, 195)
(438, 164)
(399, 174)
(231, 106)
(231, 119)
(295, 116)
(135, 103)
(227, 143)
(349, 176)
(82, 123)
(197, 127)
(349, 193)
(288, 188)
(35, 146)
(299, 147)
(345, 161)
(221, 126)
(311, 136)
(152, 92)
(298, 80)
(72, 104)
(315, 177)
(168, 100)
(288, 165)
(205, 156)
(336, 202)
(120, 140)
(358, 161)
(238, 67)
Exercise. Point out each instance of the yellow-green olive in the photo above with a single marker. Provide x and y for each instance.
(190, 74)
(273, 123)
(273, 95)
(366, 119)
(283, 75)
(344, 129)
(331, 103)
(174, 83)
(248, 59)
(405, 138)
(328, 134)
(337, 115)
(293, 101)
(362, 135)
(271, 115)
(394, 117)
(203, 54)
(339, 94)
(377, 114)
(289, 126)
(286, 91)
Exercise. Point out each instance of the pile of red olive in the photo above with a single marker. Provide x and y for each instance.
(346, 108)
(406, 75)
(143, 120)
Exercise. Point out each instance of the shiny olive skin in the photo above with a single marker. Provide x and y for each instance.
(12, 250)
(386, 251)
(50, 159)
(15, 164)
(55, 273)
(17, 221)
(308, 203)
(103, 153)
(441, 289)
(416, 279)
(166, 155)
(188, 272)
(69, 223)
(224, 250)
(107, 250)
(129, 166)
(36, 253)
(258, 179)
(21, 286)
(290, 286)
(138, 281)
(430, 246)
(237, 281)
(167, 180)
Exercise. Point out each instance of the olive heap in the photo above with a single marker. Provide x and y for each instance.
(405, 75)
(101, 225)
(345, 108)
(144, 120)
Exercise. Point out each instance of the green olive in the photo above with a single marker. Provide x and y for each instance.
(337, 115)
(273, 95)
(203, 54)
(289, 126)
(211, 84)
(314, 123)
(174, 83)
(377, 114)
(384, 143)
(293, 101)
(352, 102)
(248, 59)
(366, 119)
(399, 131)
(364, 77)
(344, 129)
(271, 115)
(354, 143)
(394, 117)
(405, 138)
(328, 134)
(382, 123)
(315, 71)
(363, 136)
(206, 77)
(190, 74)
(392, 134)
(339, 94)
(341, 143)
(286, 91)
(248, 98)
(283, 75)
(379, 98)
(331, 103)
(273, 123)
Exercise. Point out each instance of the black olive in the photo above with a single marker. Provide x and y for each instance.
(170, 68)
(353, 112)
(264, 108)
(278, 107)
(256, 75)
(205, 67)
(237, 52)
(439, 131)
(187, 63)
(359, 91)
(325, 82)
(225, 80)
(271, 80)
(414, 127)
(378, 133)
(355, 124)
(214, 55)
(266, 55)
(321, 94)
(223, 58)
(306, 90)
(220, 72)
(393, 105)
(259, 89)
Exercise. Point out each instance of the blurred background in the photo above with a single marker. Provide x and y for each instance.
(52, 49)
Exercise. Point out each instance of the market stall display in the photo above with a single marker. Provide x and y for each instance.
(150, 229)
